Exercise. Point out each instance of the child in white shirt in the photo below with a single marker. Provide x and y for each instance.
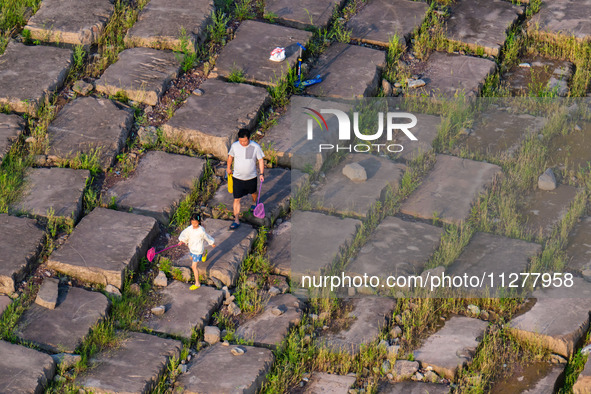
(194, 236)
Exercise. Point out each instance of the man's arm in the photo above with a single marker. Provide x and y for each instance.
(229, 169)
(262, 168)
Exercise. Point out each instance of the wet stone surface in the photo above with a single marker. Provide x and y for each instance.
(141, 74)
(20, 241)
(269, 328)
(251, 48)
(288, 138)
(341, 195)
(279, 249)
(499, 133)
(104, 245)
(347, 72)
(119, 370)
(328, 383)
(217, 370)
(536, 378)
(380, 20)
(536, 74)
(578, 250)
(569, 152)
(482, 23)
(370, 315)
(185, 310)
(414, 388)
(447, 75)
(70, 21)
(544, 209)
(63, 329)
(452, 179)
(275, 195)
(90, 126)
(303, 14)
(53, 190)
(232, 246)
(33, 370)
(396, 248)
(160, 24)
(210, 122)
(159, 183)
(29, 74)
(488, 253)
(563, 18)
(316, 239)
(561, 335)
(452, 346)
(11, 127)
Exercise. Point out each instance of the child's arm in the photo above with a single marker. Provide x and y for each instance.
(183, 237)
(209, 239)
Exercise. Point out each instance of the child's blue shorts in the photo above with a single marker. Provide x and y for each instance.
(196, 257)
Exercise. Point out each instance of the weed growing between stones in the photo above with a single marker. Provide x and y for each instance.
(202, 191)
(14, 310)
(236, 75)
(186, 54)
(12, 177)
(13, 16)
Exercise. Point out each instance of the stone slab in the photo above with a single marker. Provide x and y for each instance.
(396, 248)
(30, 74)
(316, 239)
(536, 378)
(4, 302)
(498, 132)
(303, 15)
(20, 241)
(70, 22)
(24, 370)
(563, 18)
(559, 319)
(452, 346)
(279, 249)
(232, 246)
(341, 195)
(217, 371)
(347, 72)
(142, 74)
(452, 179)
(578, 249)
(249, 52)
(269, 330)
(493, 254)
(482, 23)
(583, 383)
(529, 81)
(11, 127)
(288, 137)
(414, 388)
(326, 383)
(159, 183)
(64, 328)
(544, 209)
(90, 126)
(448, 75)
(380, 20)
(186, 310)
(160, 24)
(57, 190)
(275, 195)
(48, 293)
(104, 245)
(426, 131)
(133, 367)
(370, 315)
(210, 122)
(569, 152)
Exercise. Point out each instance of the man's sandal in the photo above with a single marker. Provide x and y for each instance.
(234, 226)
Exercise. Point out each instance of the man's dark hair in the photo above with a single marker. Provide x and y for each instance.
(244, 133)
(196, 216)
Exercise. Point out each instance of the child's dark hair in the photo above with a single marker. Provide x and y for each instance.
(196, 216)
(244, 133)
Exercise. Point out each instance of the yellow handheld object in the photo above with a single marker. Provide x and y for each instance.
(204, 256)
(230, 184)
